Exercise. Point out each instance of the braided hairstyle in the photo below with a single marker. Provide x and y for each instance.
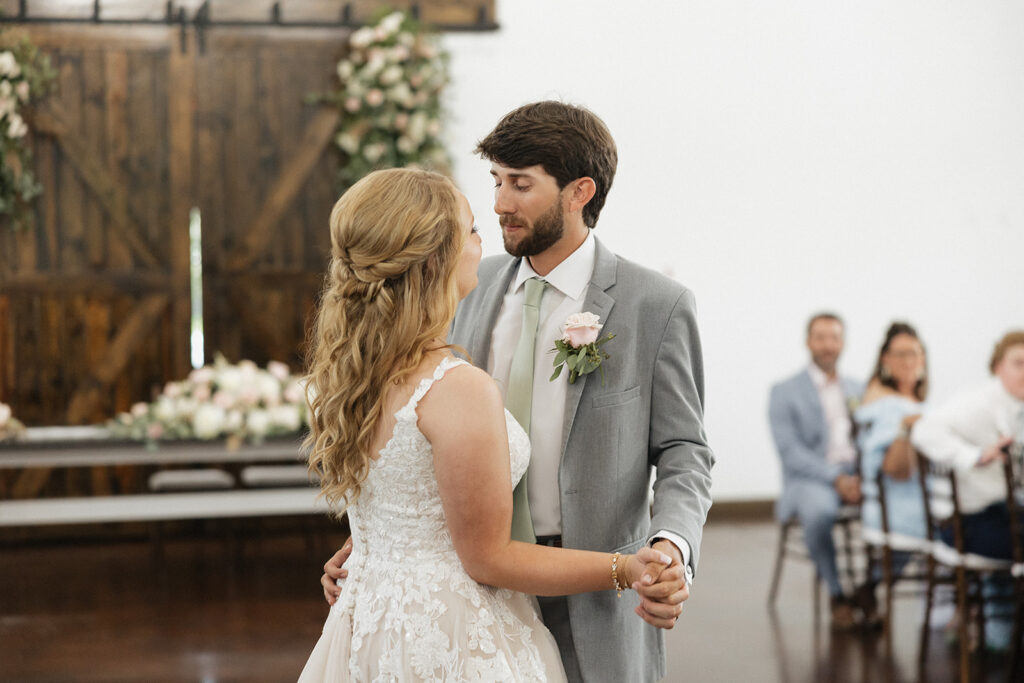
(390, 290)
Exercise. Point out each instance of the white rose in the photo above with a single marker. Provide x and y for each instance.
(348, 142)
(203, 375)
(22, 91)
(257, 422)
(172, 390)
(406, 39)
(374, 152)
(269, 389)
(286, 417)
(375, 97)
(6, 89)
(5, 414)
(353, 104)
(9, 65)
(165, 409)
(345, 70)
(405, 145)
(400, 53)
(234, 421)
(140, 409)
(417, 127)
(401, 94)
(294, 393)
(225, 399)
(229, 379)
(16, 127)
(392, 22)
(279, 370)
(208, 422)
(361, 38)
(8, 105)
(390, 75)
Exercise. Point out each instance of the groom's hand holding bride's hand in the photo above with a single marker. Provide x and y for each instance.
(662, 587)
(334, 570)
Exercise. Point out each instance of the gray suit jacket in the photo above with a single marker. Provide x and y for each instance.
(801, 436)
(649, 413)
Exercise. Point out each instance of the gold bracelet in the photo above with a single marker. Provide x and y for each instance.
(615, 575)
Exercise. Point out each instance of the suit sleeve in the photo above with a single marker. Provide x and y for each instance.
(797, 459)
(678, 446)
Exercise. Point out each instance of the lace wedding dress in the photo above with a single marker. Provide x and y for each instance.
(408, 610)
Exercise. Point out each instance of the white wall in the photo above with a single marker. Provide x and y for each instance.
(784, 157)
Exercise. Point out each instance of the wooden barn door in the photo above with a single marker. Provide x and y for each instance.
(95, 300)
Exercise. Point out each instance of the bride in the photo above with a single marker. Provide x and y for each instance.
(415, 446)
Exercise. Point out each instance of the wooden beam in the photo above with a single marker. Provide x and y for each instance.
(316, 138)
(181, 123)
(95, 176)
(132, 283)
(134, 332)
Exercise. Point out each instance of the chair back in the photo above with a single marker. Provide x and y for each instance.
(941, 499)
(1011, 471)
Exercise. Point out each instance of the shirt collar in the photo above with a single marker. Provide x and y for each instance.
(1005, 396)
(818, 376)
(571, 276)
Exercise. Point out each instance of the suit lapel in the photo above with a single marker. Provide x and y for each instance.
(490, 304)
(598, 302)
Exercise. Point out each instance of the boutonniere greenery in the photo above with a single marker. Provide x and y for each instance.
(579, 348)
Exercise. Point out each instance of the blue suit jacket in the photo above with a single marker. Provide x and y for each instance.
(801, 436)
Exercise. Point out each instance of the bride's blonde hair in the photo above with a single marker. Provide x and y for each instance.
(390, 291)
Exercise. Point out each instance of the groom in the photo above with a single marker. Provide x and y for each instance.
(595, 440)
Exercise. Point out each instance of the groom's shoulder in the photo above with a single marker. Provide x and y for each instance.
(649, 284)
(491, 266)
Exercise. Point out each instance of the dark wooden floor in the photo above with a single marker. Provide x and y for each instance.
(104, 612)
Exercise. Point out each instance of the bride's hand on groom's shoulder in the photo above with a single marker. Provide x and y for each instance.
(661, 586)
(334, 570)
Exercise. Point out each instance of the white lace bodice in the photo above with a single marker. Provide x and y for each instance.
(415, 613)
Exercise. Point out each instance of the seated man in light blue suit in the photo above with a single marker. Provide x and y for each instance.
(812, 428)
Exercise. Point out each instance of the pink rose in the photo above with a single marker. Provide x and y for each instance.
(581, 329)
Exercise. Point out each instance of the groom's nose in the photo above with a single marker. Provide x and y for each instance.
(503, 203)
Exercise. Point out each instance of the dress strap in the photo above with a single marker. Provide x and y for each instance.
(446, 364)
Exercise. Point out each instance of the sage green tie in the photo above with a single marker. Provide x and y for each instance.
(519, 399)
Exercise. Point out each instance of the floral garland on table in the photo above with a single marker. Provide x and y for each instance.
(390, 99)
(25, 74)
(10, 428)
(240, 402)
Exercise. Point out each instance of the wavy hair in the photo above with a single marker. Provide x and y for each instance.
(389, 291)
(896, 329)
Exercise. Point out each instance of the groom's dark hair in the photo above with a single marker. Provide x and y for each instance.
(569, 141)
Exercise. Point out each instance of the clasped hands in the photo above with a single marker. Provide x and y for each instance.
(662, 588)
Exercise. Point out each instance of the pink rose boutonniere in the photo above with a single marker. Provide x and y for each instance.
(580, 348)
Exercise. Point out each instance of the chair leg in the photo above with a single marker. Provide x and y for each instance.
(929, 600)
(887, 578)
(965, 616)
(1018, 629)
(779, 556)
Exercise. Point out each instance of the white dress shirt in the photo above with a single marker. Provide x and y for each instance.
(837, 416)
(956, 432)
(567, 289)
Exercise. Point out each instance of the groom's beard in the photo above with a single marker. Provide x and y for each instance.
(545, 231)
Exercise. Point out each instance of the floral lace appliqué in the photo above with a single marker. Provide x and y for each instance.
(413, 611)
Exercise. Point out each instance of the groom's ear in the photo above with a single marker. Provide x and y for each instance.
(580, 191)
